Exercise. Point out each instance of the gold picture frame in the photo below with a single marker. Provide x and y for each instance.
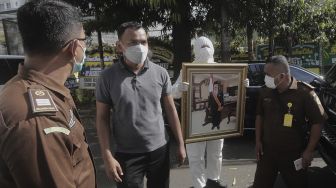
(214, 105)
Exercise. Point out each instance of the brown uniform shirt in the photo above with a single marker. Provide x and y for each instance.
(41, 146)
(272, 106)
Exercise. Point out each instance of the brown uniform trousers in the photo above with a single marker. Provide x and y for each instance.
(282, 145)
(273, 162)
(42, 142)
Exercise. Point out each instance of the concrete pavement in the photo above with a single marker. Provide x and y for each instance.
(238, 163)
(240, 174)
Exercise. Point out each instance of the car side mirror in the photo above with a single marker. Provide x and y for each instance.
(317, 83)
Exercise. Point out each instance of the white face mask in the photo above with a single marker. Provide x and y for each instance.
(269, 82)
(204, 55)
(136, 54)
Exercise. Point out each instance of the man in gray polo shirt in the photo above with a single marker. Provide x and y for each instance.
(133, 88)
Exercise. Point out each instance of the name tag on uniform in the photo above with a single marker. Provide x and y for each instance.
(56, 129)
(41, 101)
(288, 119)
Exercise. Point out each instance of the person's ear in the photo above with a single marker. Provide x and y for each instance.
(73, 48)
(119, 47)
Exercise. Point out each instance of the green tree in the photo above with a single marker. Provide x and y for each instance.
(284, 22)
(173, 15)
(109, 14)
(298, 21)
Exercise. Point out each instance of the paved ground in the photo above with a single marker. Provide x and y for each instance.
(239, 167)
(240, 174)
(238, 163)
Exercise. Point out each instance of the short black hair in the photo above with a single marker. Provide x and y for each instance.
(133, 25)
(280, 62)
(47, 25)
(217, 82)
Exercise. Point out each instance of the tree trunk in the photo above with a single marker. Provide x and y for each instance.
(271, 6)
(100, 49)
(289, 33)
(225, 36)
(100, 42)
(182, 35)
(249, 33)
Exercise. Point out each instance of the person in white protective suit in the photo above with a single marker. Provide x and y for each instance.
(201, 177)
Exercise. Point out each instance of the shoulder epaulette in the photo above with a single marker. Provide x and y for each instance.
(41, 101)
(306, 85)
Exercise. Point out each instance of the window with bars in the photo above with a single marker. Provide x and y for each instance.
(8, 5)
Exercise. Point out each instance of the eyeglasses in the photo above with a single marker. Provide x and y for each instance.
(80, 39)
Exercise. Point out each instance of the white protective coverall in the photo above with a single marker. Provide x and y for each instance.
(204, 51)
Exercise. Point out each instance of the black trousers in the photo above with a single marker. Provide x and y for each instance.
(154, 165)
(216, 118)
(273, 162)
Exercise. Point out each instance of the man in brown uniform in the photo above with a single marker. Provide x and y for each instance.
(42, 142)
(283, 109)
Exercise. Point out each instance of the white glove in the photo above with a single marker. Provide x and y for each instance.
(183, 86)
(246, 82)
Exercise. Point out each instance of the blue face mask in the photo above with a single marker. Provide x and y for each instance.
(78, 66)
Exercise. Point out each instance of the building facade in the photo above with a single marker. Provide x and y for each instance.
(11, 4)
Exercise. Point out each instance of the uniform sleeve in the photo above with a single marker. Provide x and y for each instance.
(167, 87)
(37, 159)
(102, 89)
(177, 94)
(314, 109)
(260, 99)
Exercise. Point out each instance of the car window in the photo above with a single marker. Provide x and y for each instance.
(256, 74)
(8, 68)
(331, 76)
(302, 75)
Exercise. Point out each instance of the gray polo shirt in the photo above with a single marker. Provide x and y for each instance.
(137, 119)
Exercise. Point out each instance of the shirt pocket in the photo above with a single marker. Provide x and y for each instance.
(77, 155)
(269, 105)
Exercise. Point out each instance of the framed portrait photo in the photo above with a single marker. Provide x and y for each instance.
(214, 105)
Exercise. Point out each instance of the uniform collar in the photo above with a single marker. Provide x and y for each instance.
(43, 79)
(293, 85)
